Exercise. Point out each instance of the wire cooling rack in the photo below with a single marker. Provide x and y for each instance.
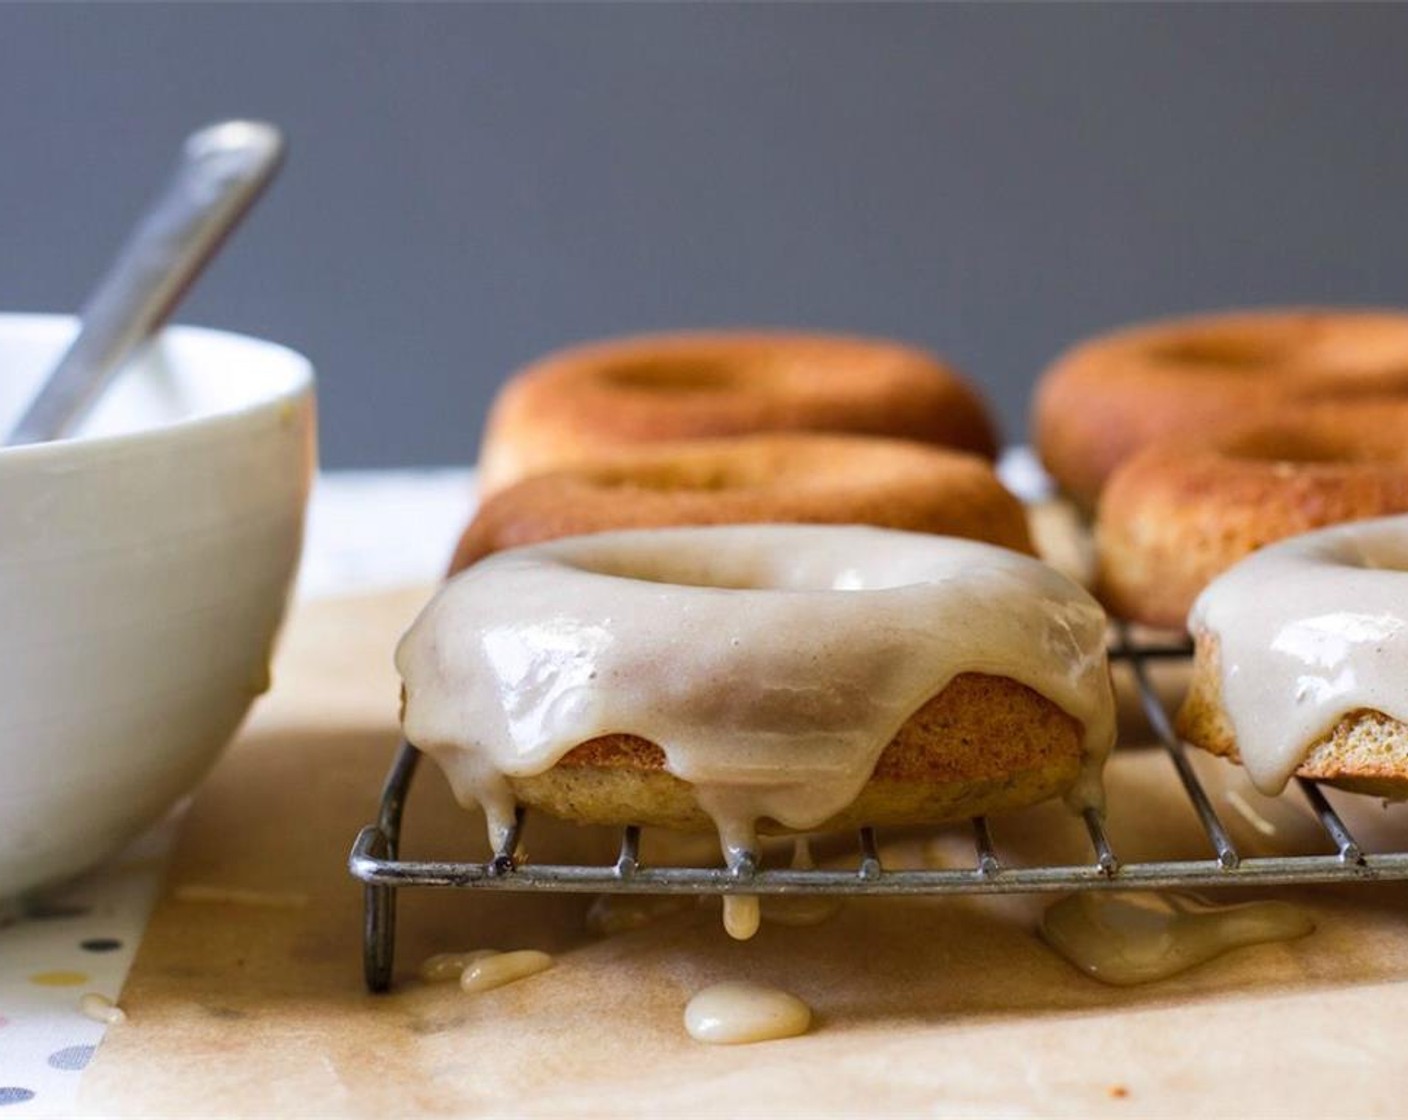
(375, 858)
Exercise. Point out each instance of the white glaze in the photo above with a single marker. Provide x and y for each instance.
(771, 663)
(493, 970)
(1308, 630)
(96, 1006)
(742, 914)
(451, 966)
(1249, 814)
(800, 909)
(733, 1013)
(1138, 937)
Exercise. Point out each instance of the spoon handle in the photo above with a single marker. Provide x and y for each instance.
(223, 169)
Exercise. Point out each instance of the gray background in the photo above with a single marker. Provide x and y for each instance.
(471, 186)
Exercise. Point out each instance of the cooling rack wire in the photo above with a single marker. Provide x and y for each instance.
(376, 859)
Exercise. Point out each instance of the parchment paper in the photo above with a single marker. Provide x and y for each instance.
(246, 997)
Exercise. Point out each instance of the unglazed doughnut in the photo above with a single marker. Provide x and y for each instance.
(574, 404)
(1181, 511)
(795, 477)
(1105, 399)
(782, 676)
(1301, 654)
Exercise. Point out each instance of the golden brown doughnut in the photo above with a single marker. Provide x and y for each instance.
(1105, 399)
(983, 745)
(573, 405)
(1183, 510)
(1301, 651)
(1365, 751)
(801, 477)
(759, 675)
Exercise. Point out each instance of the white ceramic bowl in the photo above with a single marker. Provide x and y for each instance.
(144, 570)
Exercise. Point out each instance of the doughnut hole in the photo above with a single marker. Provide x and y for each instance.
(1310, 446)
(744, 568)
(1383, 388)
(670, 478)
(665, 374)
(1371, 347)
(785, 463)
(1310, 345)
(693, 572)
(1222, 350)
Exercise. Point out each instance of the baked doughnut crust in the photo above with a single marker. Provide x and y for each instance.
(573, 405)
(1365, 751)
(984, 744)
(1107, 398)
(1181, 512)
(795, 477)
(786, 669)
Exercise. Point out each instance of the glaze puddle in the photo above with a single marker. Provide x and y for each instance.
(451, 966)
(494, 970)
(1143, 936)
(735, 1013)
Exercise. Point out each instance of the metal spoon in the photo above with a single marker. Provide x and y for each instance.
(223, 169)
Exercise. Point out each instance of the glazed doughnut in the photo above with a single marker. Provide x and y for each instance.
(1181, 511)
(1108, 397)
(574, 404)
(1301, 653)
(801, 477)
(760, 676)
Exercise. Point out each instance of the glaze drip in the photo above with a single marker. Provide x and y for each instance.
(800, 909)
(742, 914)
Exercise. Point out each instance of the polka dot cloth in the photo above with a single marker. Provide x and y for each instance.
(71, 1057)
(53, 952)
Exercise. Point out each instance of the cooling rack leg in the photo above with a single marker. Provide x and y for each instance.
(379, 901)
(379, 937)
